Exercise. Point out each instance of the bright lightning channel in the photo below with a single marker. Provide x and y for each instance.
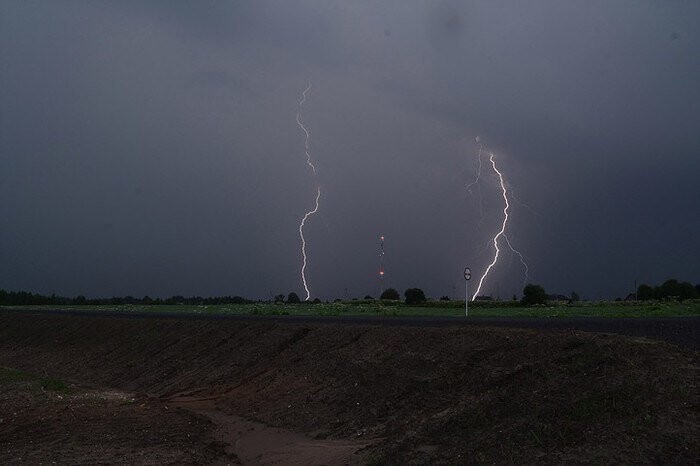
(303, 243)
(303, 128)
(501, 232)
(318, 192)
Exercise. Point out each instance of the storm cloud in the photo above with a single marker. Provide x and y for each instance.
(151, 147)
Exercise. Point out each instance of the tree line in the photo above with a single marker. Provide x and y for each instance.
(23, 298)
(670, 289)
(532, 294)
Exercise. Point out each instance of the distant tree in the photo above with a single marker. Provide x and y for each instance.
(534, 294)
(669, 288)
(574, 297)
(177, 299)
(118, 300)
(293, 298)
(316, 301)
(645, 292)
(688, 291)
(145, 300)
(444, 298)
(279, 298)
(368, 297)
(414, 296)
(390, 294)
(677, 290)
(80, 300)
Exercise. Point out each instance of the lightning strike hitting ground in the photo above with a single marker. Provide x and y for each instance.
(501, 232)
(303, 243)
(318, 193)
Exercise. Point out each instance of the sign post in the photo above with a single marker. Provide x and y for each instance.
(467, 276)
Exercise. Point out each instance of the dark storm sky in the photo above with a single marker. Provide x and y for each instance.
(151, 147)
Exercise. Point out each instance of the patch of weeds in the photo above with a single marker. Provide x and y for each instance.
(375, 458)
(8, 375)
(54, 385)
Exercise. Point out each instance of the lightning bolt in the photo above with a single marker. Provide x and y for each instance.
(318, 192)
(303, 243)
(501, 232)
(522, 260)
(303, 128)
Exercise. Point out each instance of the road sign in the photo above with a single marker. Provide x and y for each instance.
(467, 273)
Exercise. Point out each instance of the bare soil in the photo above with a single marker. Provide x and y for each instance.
(268, 392)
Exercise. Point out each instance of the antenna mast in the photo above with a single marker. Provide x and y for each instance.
(381, 263)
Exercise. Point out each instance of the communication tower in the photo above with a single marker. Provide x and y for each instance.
(381, 264)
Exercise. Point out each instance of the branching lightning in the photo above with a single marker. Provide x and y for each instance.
(478, 173)
(522, 260)
(502, 231)
(476, 182)
(318, 193)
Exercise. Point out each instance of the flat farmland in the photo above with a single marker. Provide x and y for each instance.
(399, 309)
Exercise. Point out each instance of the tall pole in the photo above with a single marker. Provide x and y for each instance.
(467, 277)
(466, 298)
(381, 264)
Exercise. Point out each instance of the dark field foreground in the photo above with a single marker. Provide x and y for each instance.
(110, 389)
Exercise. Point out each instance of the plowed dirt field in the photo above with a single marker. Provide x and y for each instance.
(108, 389)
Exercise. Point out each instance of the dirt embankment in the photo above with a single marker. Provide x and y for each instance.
(397, 394)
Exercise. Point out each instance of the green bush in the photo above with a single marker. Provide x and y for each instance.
(534, 294)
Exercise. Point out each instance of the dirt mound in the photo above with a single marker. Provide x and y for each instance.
(410, 394)
(43, 420)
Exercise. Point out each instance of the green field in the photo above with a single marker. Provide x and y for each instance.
(433, 308)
